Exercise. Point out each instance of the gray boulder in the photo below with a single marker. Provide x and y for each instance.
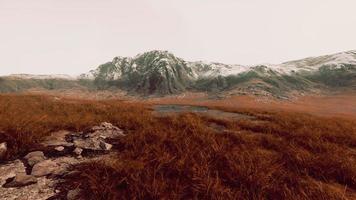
(34, 157)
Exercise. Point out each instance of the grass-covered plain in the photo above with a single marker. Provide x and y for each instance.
(278, 155)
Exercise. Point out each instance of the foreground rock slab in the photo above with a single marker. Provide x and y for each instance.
(21, 180)
(46, 172)
(44, 168)
(42, 190)
(10, 170)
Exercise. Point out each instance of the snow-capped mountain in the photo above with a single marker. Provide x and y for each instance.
(152, 72)
(160, 72)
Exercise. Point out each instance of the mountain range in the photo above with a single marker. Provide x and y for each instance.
(162, 73)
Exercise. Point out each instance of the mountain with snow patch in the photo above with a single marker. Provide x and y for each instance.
(162, 73)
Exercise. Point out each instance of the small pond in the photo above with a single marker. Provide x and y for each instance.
(171, 109)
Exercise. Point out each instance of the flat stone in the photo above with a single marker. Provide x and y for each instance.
(21, 180)
(34, 153)
(88, 143)
(59, 148)
(64, 164)
(44, 168)
(57, 139)
(42, 190)
(34, 157)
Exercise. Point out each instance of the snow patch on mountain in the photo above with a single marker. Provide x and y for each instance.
(314, 63)
(165, 62)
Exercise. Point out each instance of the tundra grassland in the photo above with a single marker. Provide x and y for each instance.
(277, 154)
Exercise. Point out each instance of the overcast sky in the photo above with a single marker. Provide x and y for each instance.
(74, 36)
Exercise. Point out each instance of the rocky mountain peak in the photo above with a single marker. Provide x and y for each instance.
(161, 72)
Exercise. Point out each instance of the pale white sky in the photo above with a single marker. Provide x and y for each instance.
(74, 36)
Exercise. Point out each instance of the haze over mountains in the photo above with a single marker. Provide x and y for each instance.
(162, 73)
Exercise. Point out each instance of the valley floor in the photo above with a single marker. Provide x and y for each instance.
(340, 105)
(297, 149)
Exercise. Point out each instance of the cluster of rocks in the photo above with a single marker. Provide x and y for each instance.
(91, 140)
(34, 176)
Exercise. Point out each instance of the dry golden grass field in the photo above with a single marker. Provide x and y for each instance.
(283, 152)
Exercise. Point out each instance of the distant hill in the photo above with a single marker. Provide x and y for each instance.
(162, 73)
(15, 83)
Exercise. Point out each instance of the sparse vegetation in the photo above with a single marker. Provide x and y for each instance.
(281, 155)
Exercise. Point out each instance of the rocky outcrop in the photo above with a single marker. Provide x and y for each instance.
(94, 139)
(44, 170)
